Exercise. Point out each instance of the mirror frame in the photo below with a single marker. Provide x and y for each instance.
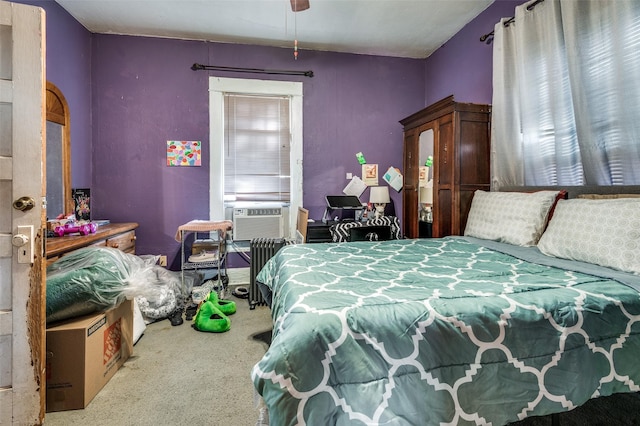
(57, 110)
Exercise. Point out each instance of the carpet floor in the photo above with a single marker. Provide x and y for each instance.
(180, 376)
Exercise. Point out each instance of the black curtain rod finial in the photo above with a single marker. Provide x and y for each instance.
(488, 38)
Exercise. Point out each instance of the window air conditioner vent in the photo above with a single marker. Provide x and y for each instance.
(258, 222)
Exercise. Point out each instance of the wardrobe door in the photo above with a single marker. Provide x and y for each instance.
(410, 184)
(473, 162)
(444, 169)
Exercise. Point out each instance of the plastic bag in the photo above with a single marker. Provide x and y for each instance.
(93, 279)
(163, 293)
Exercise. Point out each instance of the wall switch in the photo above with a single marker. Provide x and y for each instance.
(349, 175)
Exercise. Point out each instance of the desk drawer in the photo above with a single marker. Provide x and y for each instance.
(125, 242)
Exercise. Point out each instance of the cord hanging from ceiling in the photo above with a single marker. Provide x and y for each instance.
(295, 7)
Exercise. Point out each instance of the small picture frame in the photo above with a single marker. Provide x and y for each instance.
(370, 174)
(184, 153)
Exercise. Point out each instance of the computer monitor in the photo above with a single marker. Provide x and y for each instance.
(343, 202)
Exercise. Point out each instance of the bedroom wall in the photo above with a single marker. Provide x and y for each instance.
(144, 93)
(463, 65)
(128, 95)
(68, 64)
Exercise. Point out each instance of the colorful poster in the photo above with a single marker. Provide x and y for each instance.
(82, 203)
(184, 153)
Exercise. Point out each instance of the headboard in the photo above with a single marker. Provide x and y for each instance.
(574, 191)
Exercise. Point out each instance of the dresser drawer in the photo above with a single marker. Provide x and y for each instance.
(121, 236)
(125, 242)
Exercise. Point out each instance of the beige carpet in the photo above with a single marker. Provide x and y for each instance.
(179, 376)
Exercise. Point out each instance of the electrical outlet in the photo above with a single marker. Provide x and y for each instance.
(163, 260)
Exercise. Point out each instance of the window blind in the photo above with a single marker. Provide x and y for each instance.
(257, 148)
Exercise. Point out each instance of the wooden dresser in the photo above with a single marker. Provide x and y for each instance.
(117, 235)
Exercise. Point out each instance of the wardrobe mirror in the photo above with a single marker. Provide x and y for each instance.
(58, 167)
(425, 185)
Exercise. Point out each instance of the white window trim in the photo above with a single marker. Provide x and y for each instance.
(218, 86)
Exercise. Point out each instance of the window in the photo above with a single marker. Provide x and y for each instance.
(565, 73)
(256, 148)
(273, 181)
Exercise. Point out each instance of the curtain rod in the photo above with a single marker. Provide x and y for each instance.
(198, 67)
(488, 38)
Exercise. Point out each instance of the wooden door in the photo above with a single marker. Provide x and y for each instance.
(444, 167)
(410, 184)
(22, 136)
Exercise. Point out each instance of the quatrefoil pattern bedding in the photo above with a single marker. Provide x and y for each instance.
(439, 331)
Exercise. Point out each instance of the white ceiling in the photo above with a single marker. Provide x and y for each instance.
(400, 28)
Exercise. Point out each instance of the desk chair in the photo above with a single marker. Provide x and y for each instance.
(301, 224)
(370, 233)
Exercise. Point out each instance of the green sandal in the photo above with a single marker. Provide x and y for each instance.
(210, 318)
(227, 307)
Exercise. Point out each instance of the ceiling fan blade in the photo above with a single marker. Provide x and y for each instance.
(299, 5)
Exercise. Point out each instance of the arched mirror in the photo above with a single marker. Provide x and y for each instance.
(59, 199)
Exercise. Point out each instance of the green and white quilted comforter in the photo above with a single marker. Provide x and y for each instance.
(441, 331)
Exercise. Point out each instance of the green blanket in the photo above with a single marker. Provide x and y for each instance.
(419, 332)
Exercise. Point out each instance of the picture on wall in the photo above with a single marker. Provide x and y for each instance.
(370, 174)
(184, 153)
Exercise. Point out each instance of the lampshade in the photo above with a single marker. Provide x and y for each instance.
(426, 195)
(379, 195)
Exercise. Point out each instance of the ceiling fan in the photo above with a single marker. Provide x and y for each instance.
(299, 5)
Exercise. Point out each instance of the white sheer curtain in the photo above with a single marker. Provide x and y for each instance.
(566, 94)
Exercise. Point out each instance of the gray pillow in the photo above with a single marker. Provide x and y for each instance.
(604, 232)
(516, 218)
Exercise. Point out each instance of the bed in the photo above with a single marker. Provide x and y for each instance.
(534, 311)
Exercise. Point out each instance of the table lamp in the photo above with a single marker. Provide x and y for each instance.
(379, 197)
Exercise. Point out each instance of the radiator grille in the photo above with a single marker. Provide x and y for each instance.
(261, 250)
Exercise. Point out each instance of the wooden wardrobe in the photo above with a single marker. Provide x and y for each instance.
(461, 163)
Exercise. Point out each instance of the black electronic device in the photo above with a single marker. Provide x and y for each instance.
(336, 202)
(340, 202)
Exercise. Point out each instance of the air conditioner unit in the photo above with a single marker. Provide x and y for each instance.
(258, 222)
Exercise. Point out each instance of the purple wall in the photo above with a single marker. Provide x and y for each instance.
(463, 65)
(68, 67)
(128, 95)
(144, 93)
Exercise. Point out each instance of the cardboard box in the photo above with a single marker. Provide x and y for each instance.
(84, 353)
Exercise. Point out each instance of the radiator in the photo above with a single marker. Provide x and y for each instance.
(261, 250)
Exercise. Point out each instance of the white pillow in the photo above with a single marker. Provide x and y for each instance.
(511, 217)
(603, 232)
